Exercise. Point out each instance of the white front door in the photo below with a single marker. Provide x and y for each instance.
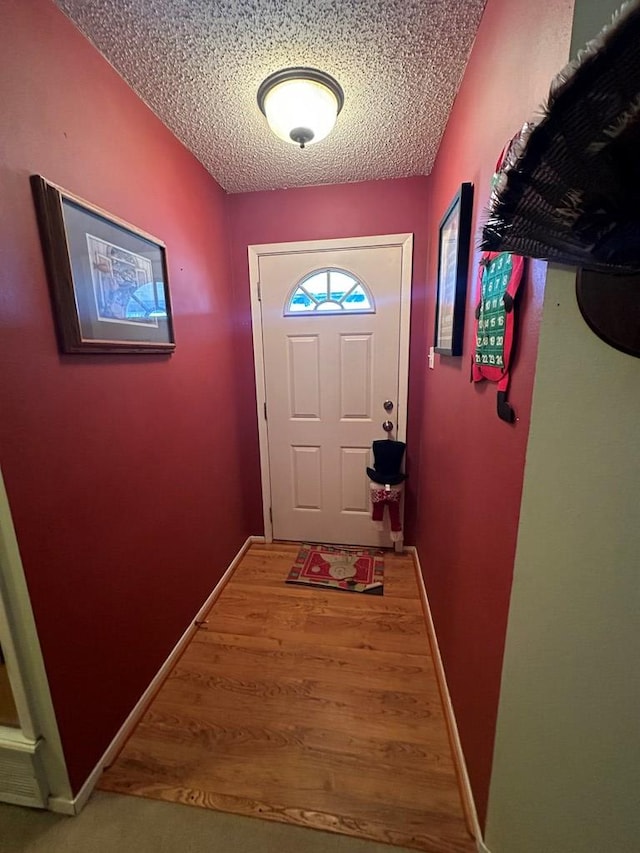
(334, 321)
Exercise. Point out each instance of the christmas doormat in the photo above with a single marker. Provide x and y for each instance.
(348, 569)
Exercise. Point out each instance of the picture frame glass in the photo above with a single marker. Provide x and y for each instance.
(447, 278)
(454, 237)
(119, 280)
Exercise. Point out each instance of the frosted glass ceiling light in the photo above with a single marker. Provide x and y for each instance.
(301, 104)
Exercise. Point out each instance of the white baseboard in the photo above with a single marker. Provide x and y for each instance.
(61, 805)
(22, 778)
(468, 801)
(74, 806)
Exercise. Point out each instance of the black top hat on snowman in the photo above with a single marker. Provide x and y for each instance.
(387, 461)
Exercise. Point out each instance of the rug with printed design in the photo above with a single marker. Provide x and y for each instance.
(341, 568)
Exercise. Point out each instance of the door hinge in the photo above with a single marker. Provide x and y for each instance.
(265, 410)
(271, 515)
(259, 293)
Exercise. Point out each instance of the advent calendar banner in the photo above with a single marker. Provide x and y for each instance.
(499, 277)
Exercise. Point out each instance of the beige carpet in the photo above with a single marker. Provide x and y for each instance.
(113, 823)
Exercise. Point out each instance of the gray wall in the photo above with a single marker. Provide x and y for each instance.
(566, 774)
(589, 18)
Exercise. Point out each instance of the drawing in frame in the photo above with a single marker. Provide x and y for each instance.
(108, 279)
(454, 237)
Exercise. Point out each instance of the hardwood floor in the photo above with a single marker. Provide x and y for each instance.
(309, 707)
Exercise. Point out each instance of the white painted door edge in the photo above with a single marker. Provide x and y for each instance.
(468, 801)
(405, 242)
(24, 660)
(74, 805)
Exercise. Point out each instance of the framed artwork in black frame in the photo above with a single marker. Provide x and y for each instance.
(454, 236)
(108, 279)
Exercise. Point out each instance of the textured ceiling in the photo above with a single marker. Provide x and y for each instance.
(198, 65)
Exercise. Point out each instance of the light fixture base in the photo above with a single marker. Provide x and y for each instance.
(302, 135)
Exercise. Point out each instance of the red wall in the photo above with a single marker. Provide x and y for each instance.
(471, 463)
(113, 465)
(317, 213)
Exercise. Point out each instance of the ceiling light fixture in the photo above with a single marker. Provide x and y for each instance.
(301, 104)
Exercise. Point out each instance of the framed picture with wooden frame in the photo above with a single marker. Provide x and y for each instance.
(454, 237)
(108, 279)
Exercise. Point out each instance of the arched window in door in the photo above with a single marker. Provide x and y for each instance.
(330, 291)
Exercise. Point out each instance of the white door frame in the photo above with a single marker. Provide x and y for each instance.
(405, 243)
(35, 749)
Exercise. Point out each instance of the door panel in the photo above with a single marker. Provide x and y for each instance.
(304, 377)
(356, 377)
(306, 470)
(355, 490)
(326, 377)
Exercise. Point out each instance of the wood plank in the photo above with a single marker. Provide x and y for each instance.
(403, 634)
(254, 655)
(168, 725)
(320, 780)
(288, 685)
(313, 707)
(306, 706)
(317, 601)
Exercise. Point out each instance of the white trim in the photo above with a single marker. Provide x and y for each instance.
(24, 657)
(13, 737)
(403, 362)
(466, 791)
(405, 242)
(405, 328)
(18, 691)
(258, 360)
(22, 778)
(73, 806)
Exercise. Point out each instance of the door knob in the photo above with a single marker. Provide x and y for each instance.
(387, 426)
(388, 406)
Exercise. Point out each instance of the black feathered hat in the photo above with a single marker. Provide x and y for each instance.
(568, 188)
(387, 456)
